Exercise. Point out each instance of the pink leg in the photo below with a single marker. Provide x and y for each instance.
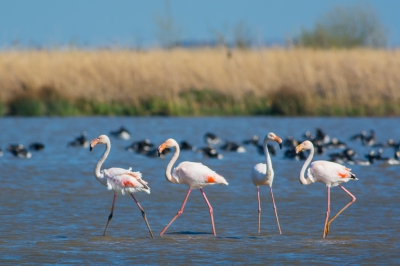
(353, 199)
(211, 211)
(111, 214)
(144, 215)
(179, 212)
(259, 209)
(327, 212)
(276, 212)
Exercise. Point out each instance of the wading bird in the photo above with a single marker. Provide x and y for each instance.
(119, 180)
(330, 173)
(195, 175)
(263, 174)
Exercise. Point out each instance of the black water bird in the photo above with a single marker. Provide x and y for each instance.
(210, 152)
(141, 146)
(370, 140)
(359, 136)
(121, 133)
(80, 141)
(232, 146)
(211, 138)
(184, 145)
(252, 141)
(18, 150)
(335, 144)
(36, 146)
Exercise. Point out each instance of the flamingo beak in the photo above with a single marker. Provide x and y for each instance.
(299, 148)
(93, 143)
(279, 141)
(161, 148)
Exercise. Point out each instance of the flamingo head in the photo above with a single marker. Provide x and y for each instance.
(166, 144)
(272, 136)
(102, 139)
(305, 145)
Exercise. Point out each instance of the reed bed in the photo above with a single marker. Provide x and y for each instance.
(206, 81)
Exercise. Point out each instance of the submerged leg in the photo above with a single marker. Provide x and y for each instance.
(276, 212)
(111, 214)
(327, 212)
(179, 212)
(211, 211)
(353, 199)
(259, 209)
(143, 214)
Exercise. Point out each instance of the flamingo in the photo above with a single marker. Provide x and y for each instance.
(119, 180)
(330, 173)
(263, 174)
(194, 175)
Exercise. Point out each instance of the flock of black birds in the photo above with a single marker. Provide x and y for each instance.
(214, 146)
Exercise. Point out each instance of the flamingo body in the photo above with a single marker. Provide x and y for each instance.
(196, 175)
(330, 173)
(123, 181)
(259, 175)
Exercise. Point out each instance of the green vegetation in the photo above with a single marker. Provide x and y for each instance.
(345, 27)
(286, 101)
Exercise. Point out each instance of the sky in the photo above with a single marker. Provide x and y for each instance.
(133, 23)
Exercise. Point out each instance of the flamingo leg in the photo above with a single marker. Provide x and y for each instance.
(353, 199)
(211, 211)
(259, 209)
(143, 214)
(111, 214)
(276, 212)
(179, 212)
(328, 211)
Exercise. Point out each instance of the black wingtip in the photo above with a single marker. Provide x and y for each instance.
(90, 148)
(280, 146)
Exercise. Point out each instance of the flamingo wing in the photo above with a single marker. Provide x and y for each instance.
(196, 175)
(124, 180)
(258, 175)
(330, 173)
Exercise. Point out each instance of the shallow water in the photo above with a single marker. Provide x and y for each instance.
(54, 211)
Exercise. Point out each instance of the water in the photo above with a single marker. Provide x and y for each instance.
(54, 211)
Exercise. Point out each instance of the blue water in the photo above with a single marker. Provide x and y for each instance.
(53, 211)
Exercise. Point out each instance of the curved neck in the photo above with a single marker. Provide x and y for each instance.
(267, 159)
(171, 163)
(97, 173)
(303, 180)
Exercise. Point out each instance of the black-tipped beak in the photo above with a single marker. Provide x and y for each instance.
(90, 148)
(158, 153)
(280, 146)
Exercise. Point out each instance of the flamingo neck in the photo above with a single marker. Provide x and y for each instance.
(303, 180)
(171, 163)
(270, 171)
(97, 173)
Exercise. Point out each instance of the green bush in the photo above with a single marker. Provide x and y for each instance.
(345, 27)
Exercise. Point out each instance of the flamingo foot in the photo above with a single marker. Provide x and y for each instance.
(327, 229)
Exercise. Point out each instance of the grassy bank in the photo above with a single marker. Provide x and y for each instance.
(181, 82)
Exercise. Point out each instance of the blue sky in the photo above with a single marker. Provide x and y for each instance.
(97, 23)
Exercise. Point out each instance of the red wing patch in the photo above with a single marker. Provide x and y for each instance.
(343, 175)
(127, 183)
(210, 179)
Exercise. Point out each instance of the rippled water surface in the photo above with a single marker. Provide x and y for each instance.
(54, 211)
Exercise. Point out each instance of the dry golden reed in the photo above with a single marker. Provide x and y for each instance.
(323, 78)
